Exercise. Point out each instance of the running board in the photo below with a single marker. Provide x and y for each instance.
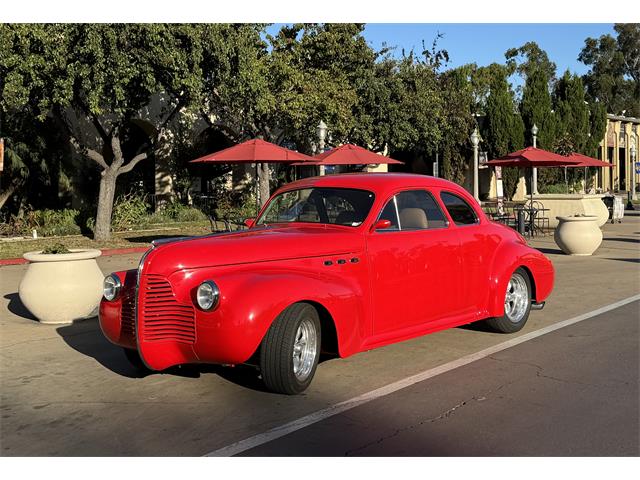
(537, 306)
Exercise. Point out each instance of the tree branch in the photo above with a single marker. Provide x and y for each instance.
(88, 152)
(134, 161)
(94, 119)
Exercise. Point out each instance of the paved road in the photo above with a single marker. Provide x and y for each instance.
(67, 391)
(572, 392)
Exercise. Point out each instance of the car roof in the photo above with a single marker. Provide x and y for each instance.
(376, 182)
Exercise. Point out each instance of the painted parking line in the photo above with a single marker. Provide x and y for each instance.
(287, 428)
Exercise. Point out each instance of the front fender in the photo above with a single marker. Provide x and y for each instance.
(251, 299)
(509, 256)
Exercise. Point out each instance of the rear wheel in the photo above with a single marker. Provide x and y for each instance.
(290, 350)
(517, 304)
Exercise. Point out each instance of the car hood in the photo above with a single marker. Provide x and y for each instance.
(261, 244)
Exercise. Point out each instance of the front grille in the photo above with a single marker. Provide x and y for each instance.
(162, 317)
(128, 314)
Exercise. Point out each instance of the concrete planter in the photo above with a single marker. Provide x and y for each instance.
(578, 235)
(60, 288)
(563, 205)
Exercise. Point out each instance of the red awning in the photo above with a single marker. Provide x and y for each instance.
(255, 151)
(533, 157)
(350, 155)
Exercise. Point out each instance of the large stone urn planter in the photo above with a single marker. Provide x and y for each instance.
(61, 287)
(578, 235)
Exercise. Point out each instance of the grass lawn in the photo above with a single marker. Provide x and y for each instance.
(129, 239)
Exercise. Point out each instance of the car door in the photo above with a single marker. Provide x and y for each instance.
(477, 244)
(414, 264)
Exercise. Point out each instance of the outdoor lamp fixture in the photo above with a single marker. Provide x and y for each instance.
(534, 171)
(475, 141)
(321, 130)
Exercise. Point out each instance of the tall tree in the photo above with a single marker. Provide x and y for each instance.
(530, 58)
(613, 74)
(572, 112)
(96, 79)
(503, 130)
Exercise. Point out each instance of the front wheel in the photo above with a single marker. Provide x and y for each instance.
(290, 350)
(517, 304)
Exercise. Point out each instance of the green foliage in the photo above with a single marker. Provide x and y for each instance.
(536, 109)
(177, 212)
(552, 187)
(56, 249)
(613, 77)
(530, 58)
(54, 222)
(572, 113)
(597, 127)
(130, 210)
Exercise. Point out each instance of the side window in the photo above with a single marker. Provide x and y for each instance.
(460, 211)
(413, 210)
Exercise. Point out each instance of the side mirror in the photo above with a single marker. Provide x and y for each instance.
(249, 222)
(381, 225)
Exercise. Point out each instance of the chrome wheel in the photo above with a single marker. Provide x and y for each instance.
(304, 349)
(516, 299)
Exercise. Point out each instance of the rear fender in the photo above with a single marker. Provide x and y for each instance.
(508, 258)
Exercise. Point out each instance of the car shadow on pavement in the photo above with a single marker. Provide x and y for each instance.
(17, 308)
(86, 337)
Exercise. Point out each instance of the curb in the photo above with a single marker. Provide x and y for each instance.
(107, 252)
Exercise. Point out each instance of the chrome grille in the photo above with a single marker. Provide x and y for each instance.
(128, 315)
(163, 318)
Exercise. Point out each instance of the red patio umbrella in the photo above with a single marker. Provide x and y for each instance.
(585, 162)
(349, 154)
(255, 151)
(531, 157)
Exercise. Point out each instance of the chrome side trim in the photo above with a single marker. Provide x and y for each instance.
(537, 306)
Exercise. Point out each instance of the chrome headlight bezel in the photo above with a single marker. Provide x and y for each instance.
(207, 295)
(111, 287)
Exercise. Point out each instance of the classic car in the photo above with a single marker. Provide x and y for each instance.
(337, 264)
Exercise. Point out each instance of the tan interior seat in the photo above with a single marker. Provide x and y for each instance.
(413, 218)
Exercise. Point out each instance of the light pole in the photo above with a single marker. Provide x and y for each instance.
(534, 175)
(475, 141)
(321, 130)
(633, 170)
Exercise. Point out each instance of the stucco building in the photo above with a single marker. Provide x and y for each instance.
(620, 148)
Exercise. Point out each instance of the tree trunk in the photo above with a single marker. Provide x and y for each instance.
(102, 232)
(6, 194)
(263, 183)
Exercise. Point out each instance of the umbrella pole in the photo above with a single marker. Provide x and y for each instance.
(257, 188)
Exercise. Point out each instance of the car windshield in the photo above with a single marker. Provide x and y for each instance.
(337, 206)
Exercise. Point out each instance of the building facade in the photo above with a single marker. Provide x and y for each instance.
(620, 148)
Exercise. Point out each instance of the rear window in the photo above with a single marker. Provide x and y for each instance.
(460, 211)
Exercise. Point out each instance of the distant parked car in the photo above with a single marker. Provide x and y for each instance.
(339, 263)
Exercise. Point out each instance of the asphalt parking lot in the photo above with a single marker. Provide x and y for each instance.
(67, 391)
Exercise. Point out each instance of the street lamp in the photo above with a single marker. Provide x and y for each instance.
(633, 169)
(475, 141)
(534, 174)
(321, 130)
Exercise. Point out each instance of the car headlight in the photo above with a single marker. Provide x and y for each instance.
(111, 287)
(208, 295)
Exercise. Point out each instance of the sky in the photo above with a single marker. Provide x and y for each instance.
(485, 43)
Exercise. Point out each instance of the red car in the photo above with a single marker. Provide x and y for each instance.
(336, 264)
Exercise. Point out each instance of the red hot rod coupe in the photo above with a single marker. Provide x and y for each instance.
(339, 263)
